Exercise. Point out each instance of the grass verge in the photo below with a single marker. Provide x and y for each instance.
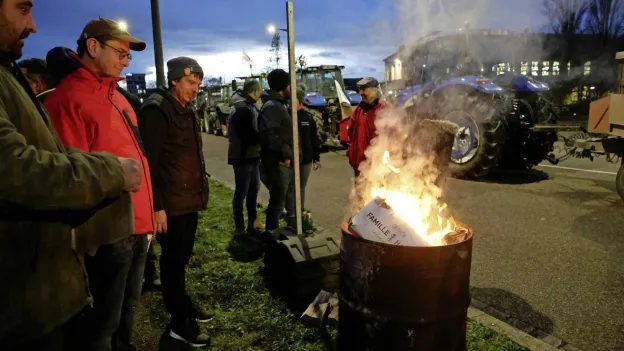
(247, 316)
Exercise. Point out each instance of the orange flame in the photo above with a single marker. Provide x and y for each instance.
(423, 212)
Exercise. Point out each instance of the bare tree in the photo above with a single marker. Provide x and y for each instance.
(565, 17)
(606, 19)
(151, 84)
(276, 47)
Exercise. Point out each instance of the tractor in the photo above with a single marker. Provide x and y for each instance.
(325, 98)
(504, 118)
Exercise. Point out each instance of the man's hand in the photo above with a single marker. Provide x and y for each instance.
(317, 165)
(161, 222)
(132, 173)
(287, 163)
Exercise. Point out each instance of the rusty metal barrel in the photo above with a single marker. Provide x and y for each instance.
(396, 298)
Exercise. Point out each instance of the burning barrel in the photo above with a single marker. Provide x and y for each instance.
(395, 297)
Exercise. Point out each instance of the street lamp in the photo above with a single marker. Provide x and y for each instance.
(272, 29)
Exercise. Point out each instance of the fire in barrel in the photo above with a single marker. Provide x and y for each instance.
(405, 262)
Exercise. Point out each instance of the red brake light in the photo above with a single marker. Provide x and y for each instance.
(311, 94)
(483, 81)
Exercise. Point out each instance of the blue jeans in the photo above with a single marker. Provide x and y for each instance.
(134, 283)
(247, 180)
(115, 277)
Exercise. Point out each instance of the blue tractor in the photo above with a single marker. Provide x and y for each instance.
(504, 118)
(327, 99)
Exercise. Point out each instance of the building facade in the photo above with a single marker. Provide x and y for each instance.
(580, 65)
(136, 84)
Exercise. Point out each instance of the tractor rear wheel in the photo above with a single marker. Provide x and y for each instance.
(479, 141)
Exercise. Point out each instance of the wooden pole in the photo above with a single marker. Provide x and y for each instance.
(292, 64)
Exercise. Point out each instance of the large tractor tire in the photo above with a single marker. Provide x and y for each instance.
(479, 141)
(320, 124)
(525, 149)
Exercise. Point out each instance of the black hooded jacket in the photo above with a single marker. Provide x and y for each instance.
(275, 128)
(244, 140)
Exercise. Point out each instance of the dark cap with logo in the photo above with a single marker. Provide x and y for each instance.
(182, 66)
(368, 82)
(107, 27)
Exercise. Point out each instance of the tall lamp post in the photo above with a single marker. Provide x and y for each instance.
(158, 48)
(292, 66)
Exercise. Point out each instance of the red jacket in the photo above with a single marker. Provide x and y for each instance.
(90, 114)
(361, 131)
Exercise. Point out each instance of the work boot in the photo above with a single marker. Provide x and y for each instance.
(188, 332)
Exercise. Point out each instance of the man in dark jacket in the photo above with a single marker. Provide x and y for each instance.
(276, 140)
(45, 191)
(173, 145)
(310, 146)
(39, 78)
(244, 155)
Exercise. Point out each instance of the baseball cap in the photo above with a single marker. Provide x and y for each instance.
(368, 82)
(104, 26)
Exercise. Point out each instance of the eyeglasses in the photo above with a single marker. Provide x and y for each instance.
(122, 54)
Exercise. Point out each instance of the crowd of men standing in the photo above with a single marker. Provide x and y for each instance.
(90, 176)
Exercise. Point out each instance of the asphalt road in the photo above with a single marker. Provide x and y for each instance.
(548, 243)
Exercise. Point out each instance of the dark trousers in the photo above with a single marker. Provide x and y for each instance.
(177, 248)
(150, 274)
(304, 175)
(123, 336)
(115, 276)
(108, 273)
(277, 178)
(53, 341)
(247, 186)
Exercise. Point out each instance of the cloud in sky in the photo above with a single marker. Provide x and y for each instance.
(358, 34)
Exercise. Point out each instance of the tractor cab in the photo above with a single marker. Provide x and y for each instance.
(321, 89)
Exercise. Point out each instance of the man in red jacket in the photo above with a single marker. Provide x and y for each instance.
(362, 129)
(89, 113)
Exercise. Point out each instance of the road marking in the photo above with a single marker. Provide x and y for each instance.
(579, 169)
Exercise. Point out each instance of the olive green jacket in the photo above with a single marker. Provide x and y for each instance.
(42, 185)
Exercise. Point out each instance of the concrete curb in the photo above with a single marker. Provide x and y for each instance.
(516, 330)
(500, 327)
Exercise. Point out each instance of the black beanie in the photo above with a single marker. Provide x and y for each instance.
(278, 79)
(182, 66)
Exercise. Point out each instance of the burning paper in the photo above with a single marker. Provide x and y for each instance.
(379, 221)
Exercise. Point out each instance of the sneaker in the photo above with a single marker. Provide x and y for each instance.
(189, 333)
(201, 316)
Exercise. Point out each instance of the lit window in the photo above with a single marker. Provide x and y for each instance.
(555, 68)
(524, 67)
(501, 68)
(535, 68)
(546, 68)
(569, 67)
(587, 68)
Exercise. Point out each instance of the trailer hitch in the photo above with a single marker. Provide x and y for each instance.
(552, 159)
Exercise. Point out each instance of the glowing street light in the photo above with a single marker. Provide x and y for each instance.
(271, 29)
(123, 25)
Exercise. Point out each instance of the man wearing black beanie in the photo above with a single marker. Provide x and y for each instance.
(173, 147)
(276, 141)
